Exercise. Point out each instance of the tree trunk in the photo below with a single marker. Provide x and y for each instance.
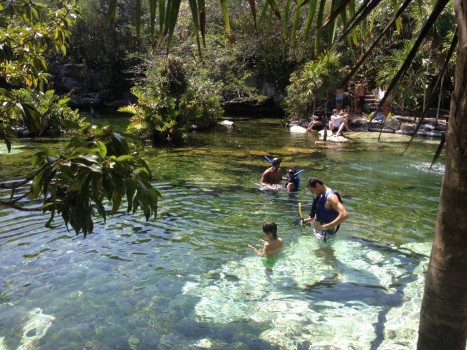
(443, 315)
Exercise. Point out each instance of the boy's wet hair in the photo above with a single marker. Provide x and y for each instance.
(270, 227)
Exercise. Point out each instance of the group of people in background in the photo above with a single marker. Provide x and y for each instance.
(326, 214)
(349, 105)
(337, 122)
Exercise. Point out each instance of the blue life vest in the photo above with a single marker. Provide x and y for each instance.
(323, 214)
(295, 180)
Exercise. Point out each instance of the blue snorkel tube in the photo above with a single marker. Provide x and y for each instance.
(298, 179)
(267, 158)
(298, 172)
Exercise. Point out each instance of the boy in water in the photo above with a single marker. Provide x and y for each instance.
(273, 244)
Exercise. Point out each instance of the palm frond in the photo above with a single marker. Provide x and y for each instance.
(296, 20)
(112, 12)
(152, 16)
(253, 11)
(362, 14)
(194, 15)
(319, 23)
(437, 10)
(310, 17)
(336, 11)
(274, 8)
(171, 17)
(225, 13)
(363, 59)
(138, 19)
(438, 83)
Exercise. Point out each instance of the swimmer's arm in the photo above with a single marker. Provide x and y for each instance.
(259, 253)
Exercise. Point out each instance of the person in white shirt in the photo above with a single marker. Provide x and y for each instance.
(338, 122)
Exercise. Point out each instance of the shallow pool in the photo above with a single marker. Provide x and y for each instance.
(188, 280)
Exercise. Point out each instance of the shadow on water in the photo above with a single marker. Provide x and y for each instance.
(333, 289)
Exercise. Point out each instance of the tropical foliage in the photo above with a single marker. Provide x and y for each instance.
(170, 102)
(99, 167)
(28, 30)
(312, 85)
(52, 110)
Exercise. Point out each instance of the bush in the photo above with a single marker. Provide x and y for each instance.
(170, 101)
(312, 84)
(52, 110)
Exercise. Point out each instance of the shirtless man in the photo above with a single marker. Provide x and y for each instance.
(361, 96)
(272, 175)
(273, 244)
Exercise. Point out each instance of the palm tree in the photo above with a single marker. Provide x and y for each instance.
(443, 316)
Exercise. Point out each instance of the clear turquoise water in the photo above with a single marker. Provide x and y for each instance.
(188, 280)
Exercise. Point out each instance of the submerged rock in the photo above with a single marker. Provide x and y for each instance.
(35, 328)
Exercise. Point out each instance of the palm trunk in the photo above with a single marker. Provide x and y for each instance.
(443, 315)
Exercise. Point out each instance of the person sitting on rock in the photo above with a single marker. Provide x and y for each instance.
(318, 121)
(338, 122)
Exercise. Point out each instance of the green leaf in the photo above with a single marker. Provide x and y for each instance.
(39, 63)
(102, 149)
(116, 202)
(124, 158)
(274, 8)
(69, 124)
(112, 12)
(194, 15)
(152, 16)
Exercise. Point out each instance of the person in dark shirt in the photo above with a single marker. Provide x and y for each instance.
(318, 120)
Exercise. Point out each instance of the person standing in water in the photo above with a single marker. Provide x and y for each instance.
(272, 175)
(327, 211)
(272, 243)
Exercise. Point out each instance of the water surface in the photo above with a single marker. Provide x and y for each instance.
(188, 280)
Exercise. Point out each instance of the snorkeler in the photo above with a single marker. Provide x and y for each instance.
(273, 244)
(273, 174)
(293, 181)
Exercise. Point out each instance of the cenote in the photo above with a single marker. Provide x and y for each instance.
(187, 280)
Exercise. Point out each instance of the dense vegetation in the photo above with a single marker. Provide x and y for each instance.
(99, 167)
(282, 40)
(262, 62)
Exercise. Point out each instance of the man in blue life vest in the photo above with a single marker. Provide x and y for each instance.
(327, 211)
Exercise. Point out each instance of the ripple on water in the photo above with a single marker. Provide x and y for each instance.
(347, 280)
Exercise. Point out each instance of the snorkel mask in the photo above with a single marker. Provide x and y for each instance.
(276, 162)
